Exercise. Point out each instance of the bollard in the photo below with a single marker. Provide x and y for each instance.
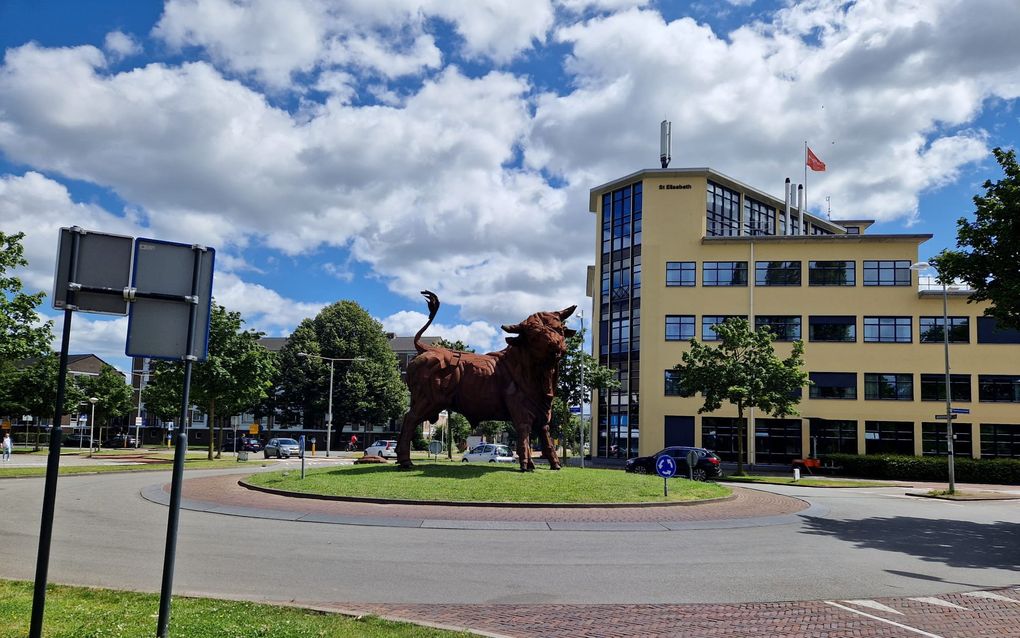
(796, 473)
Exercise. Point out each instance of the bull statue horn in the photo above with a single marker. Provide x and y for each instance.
(514, 329)
(566, 312)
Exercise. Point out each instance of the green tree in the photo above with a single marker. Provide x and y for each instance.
(575, 365)
(22, 336)
(32, 389)
(366, 391)
(992, 245)
(236, 375)
(744, 371)
(113, 392)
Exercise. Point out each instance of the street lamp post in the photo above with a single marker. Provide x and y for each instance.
(329, 412)
(92, 424)
(138, 415)
(923, 265)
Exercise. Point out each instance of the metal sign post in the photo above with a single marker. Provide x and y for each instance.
(82, 258)
(665, 467)
(301, 442)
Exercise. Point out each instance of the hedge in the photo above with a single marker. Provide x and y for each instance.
(926, 468)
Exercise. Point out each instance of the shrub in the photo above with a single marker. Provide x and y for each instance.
(926, 468)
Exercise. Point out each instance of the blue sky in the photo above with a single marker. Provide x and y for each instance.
(366, 151)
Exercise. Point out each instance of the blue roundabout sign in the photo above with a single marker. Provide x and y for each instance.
(665, 466)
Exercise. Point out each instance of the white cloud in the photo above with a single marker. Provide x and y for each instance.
(479, 335)
(120, 45)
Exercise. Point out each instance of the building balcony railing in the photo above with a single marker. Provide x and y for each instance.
(928, 283)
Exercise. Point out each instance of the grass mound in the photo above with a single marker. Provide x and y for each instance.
(488, 483)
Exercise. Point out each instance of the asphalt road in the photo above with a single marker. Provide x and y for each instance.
(869, 543)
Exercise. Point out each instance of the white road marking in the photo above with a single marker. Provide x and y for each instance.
(990, 596)
(890, 622)
(871, 604)
(937, 601)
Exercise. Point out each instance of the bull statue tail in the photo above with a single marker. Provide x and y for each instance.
(433, 309)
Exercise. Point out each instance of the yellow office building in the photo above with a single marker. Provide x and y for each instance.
(678, 250)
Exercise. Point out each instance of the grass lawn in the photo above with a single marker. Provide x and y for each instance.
(189, 464)
(79, 612)
(488, 483)
(807, 482)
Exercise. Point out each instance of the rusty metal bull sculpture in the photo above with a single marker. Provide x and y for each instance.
(516, 384)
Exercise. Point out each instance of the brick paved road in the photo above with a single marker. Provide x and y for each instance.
(966, 615)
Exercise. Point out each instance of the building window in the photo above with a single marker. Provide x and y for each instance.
(832, 328)
(933, 439)
(931, 330)
(785, 328)
(999, 388)
(679, 327)
(1001, 440)
(853, 230)
(681, 273)
(889, 437)
(832, 273)
(777, 440)
(887, 330)
(708, 324)
(719, 434)
(887, 273)
(672, 383)
(724, 273)
(891, 387)
(933, 387)
(777, 273)
(833, 385)
(834, 436)
(988, 331)
(759, 218)
(722, 211)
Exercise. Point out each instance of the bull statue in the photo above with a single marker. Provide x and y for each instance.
(516, 384)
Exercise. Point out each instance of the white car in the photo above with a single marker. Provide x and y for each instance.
(385, 449)
(491, 452)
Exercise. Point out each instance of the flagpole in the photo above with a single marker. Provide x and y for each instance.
(805, 183)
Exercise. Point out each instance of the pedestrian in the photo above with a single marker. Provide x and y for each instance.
(354, 443)
(7, 447)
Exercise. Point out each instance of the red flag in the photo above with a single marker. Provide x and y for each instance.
(813, 162)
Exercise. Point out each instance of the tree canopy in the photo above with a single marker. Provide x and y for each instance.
(991, 245)
(744, 371)
(112, 390)
(365, 391)
(22, 335)
(575, 365)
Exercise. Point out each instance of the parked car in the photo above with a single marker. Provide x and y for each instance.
(77, 440)
(242, 444)
(491, 452)
(282, 448)
(707, 466)
(120, 441)
(385, 449)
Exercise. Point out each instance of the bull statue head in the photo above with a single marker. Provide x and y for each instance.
(543, 332)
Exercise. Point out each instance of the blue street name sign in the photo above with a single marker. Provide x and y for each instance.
(960, 410)
(665, 466)
(575, 409)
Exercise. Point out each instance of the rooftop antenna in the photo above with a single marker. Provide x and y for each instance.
(828, 208)
(665, 142)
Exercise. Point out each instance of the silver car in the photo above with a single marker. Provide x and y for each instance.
(282, 448)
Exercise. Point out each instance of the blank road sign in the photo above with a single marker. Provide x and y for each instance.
(104, 260)
(158, 328)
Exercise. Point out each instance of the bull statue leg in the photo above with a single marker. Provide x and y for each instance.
(548, 449)
(407, 430)
(524, 452)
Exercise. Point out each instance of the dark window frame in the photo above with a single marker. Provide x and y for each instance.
(888, 329)
(781, 326)
(679, 321)
(681, 268)
(709, 334)
(722, 211)
(820, 323)
(737, 277)
(823, 386)
(999, 388)
(930, 329)
(887, 272)
(824, 273)
(933, 387)
(777, 273)
(888, 386)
